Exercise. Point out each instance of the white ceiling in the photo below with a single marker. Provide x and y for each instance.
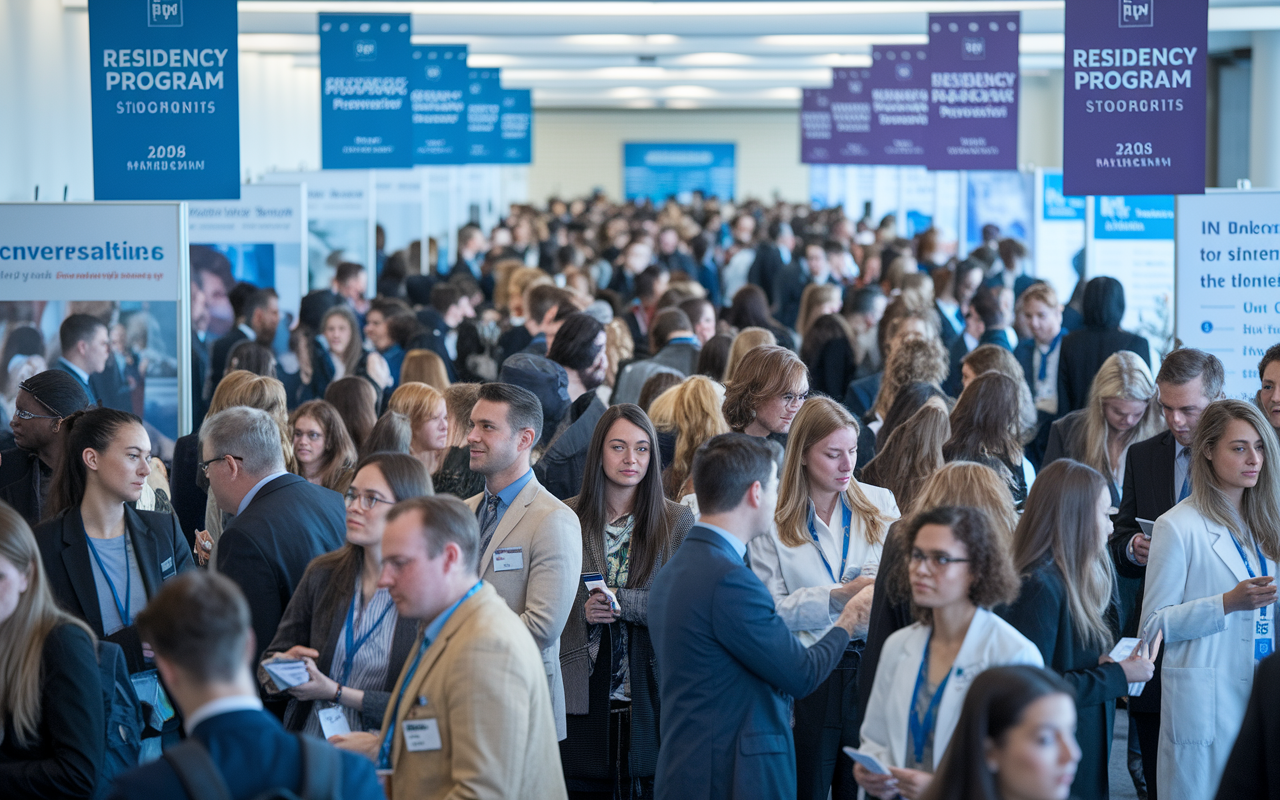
(682, 54)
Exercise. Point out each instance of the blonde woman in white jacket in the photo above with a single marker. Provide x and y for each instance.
(823, 553)
(959, 568)
(1211, 590)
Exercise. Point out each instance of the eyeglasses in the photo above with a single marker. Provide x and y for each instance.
(791, 399)
(312, 436)
(204, 465)
(20, 414)
(936, 560)
(367, 500)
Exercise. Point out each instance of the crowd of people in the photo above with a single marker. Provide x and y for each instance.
(634, 502)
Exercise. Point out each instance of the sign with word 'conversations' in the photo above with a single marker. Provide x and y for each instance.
(166, 104)
(1134, 96)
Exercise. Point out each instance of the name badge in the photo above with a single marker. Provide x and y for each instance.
(166, 566)
(1262, 641)
(333, 722)
(421, 735)
(508, 558)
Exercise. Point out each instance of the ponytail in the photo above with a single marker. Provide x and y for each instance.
(93, 429)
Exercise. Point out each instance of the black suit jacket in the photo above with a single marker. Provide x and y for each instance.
(219, 353)
(89, 387)
(1061, 444)
(888, 614)
(200, 361)
(832, 368)
(188, 498)
(956, 352)
(159, 546)
(1082, 355)
(765, 269)
(266, 549)
(1041, 614)
(860, 395)
(728, 668)
(24, 483)
(314, 304)
(112, 388)
(1253, 769)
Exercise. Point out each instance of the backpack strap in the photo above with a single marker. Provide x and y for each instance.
(321, 769)
(197, 772)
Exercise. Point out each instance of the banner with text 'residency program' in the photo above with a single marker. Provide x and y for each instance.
(438, 86)
(166, 104)
(1134, 96)
(899, 104)
(851, 116)
(366, 116)
(973, 91)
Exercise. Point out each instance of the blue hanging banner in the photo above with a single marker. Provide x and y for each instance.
(366, 120)
(515, 121)
(438, 87)
(166, 103)
(484, 108)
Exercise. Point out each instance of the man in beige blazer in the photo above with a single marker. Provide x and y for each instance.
(530, 542)
(470, 714)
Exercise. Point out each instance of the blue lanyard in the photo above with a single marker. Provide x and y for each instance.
(844, 554)
(353, 644)
(683, 340)
(123, 610)
(1261, 561)
(919, 728)
(384, 752)
(1044, 357)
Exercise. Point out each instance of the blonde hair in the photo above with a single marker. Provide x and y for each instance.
(694, 408)
(417, 401)
(765, 372)
(912, 359)
(619, 347)
(242, 388)
(815, 296)
(23, 634)
(1123, 376)
(459, 399)
(424, 366)
(1258, 521)
(817, 419)
(747, 340)
(911, 454)
(514, 279)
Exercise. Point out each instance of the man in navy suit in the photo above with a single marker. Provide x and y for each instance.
(198, 626)
(727, 664)
(85, 350)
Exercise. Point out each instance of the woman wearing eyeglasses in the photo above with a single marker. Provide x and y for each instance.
(26, 472)
(339, 623)
(959, 567)
(322, 445)
(767, 390)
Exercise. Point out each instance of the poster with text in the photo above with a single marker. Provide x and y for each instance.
(851, 116)
(1003, 199)
(1131, 238)
(816, 127)
(973, 91)
(484, 108)
(1133, 107)
(437, 86)
(515, 122)
(165, 98)
(340, 220)
(1228, 294)
(366, 117)
(1059, 233)
(125, 264)
(678, 169)
(899, 104)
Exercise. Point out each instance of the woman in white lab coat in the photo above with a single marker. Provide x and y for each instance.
(1210, 588)
(959, 568)
(824, 552)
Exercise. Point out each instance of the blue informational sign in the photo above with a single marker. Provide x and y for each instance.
(366, 119)
(1003, 198)
(1056, 204)
(1133, 217)
(484, 108)
(659, 171)
(516, 123)
(438, 84)
(166, 102)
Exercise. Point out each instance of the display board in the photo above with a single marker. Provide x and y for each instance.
(816, 127)
(165, 99)
(401, 208)
(1059, 233)
(515, 125)
(125, 263)
(851, 116)
(484, 110)
(1228, 287)
(366, 119)
(340, 220)
(262, 237)
(1131, 238)
(899, 104)
(658, 171)
(438, 84)
(1002, 198)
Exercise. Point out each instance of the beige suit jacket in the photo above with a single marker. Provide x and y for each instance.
(542, 592)
(482, 682)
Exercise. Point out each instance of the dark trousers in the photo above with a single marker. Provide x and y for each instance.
(1148, 725)
(620, 785)
(825, 721)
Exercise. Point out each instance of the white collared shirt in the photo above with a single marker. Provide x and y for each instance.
(734, 541)
(223, 705)
(84, 376)
(248, 498)
(1047, 389)
(247, 331)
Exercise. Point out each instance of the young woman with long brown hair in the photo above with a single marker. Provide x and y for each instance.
(325, 453)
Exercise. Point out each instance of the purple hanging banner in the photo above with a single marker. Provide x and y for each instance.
(852, 136)
(973, 91)
(899, 104)
(1134, 97)
(816, 127)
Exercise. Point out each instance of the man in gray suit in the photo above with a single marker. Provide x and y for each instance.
(530, 542)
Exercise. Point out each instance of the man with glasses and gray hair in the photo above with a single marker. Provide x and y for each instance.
(281, 521)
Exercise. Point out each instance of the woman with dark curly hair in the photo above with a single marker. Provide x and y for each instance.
(958, 568)
(766, 392)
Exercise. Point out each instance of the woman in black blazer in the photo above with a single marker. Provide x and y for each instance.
(1067, 606)
(1083, 351)
(53, 712)
(339, 623)
(104, 559)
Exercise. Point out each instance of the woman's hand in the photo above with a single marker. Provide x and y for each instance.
(1140, 666)
(911, 782)
(366, 744)
(883, 786)
(203, 548)
(598, 610)
(1250, 594)
(320, 687)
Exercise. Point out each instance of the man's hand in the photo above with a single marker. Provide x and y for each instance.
(1141, 547)
(856, 614)
(366, 744)
(844, 592)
